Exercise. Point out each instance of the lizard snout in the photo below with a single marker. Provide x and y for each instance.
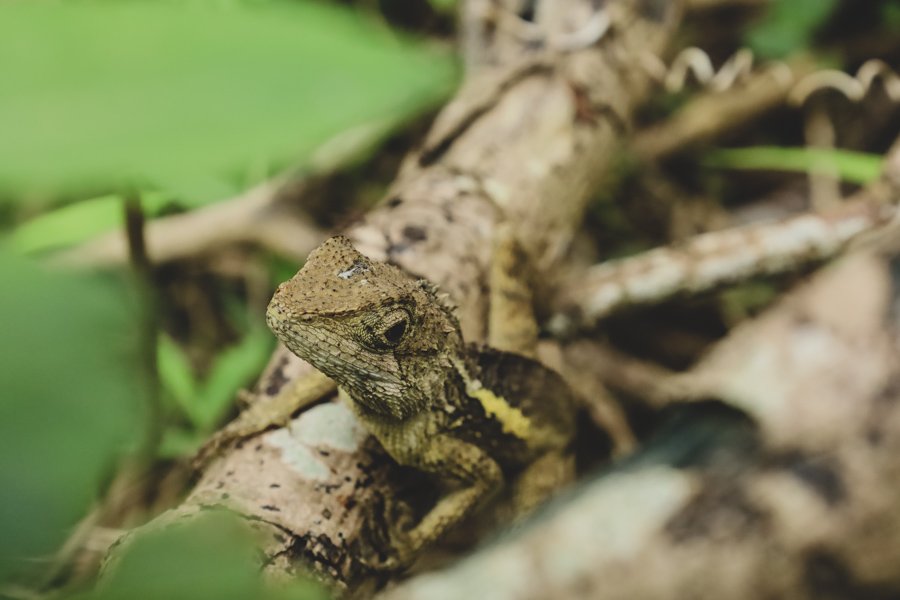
(275, 314)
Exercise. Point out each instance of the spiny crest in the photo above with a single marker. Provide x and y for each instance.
(441, 299)
(337, 279)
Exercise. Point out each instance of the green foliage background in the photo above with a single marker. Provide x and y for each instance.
(180, 103)
(176, 94)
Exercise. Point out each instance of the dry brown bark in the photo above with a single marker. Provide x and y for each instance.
(524, 142)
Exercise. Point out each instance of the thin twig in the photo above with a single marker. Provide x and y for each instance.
(715, 113)
(713, 259)
(728, 256)
(251, 217)
(145, 279)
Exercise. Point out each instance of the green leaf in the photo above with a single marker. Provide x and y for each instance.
(70, 401)
(852, 167)
(890, 15)
(178, 442)
(206, 403)
(177, 376)
(788, 26)
(444, 6)
(113, 93)
(78, 222)
(234, 368)
(210, 557)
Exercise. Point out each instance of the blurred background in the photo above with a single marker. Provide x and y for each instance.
(164, 165)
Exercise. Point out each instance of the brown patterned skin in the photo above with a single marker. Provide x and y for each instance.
(471, 417)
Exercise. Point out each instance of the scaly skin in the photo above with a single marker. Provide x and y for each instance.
(470, 417)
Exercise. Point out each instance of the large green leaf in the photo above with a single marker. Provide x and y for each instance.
(211, 557)
(69, 401)
(112, 93)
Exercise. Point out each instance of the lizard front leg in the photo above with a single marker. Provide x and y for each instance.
(449, 458)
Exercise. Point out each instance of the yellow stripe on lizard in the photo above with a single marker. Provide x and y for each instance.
(513, 420)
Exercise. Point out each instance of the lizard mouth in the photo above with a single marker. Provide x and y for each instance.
(364, 375)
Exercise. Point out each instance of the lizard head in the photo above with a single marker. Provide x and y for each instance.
(381, 335)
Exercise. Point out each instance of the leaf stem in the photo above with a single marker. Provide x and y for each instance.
(145, 278)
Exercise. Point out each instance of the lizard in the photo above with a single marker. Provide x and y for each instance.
(277, 410)
(473, 417)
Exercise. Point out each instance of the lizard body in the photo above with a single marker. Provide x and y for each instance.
(472, 417)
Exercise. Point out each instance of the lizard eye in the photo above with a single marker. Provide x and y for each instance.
(386, 331)
(395, 332)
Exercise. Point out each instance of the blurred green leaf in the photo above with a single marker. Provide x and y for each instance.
(444, 6)
(70, 402)
(852, 167)
(198, 189)
(79, 222)
(211, 557)
(788, 26)
(176, 375)
(114, 93)
(890, 15)
(179, 442)
(234, 368)
(206, 402)
(281, 269)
